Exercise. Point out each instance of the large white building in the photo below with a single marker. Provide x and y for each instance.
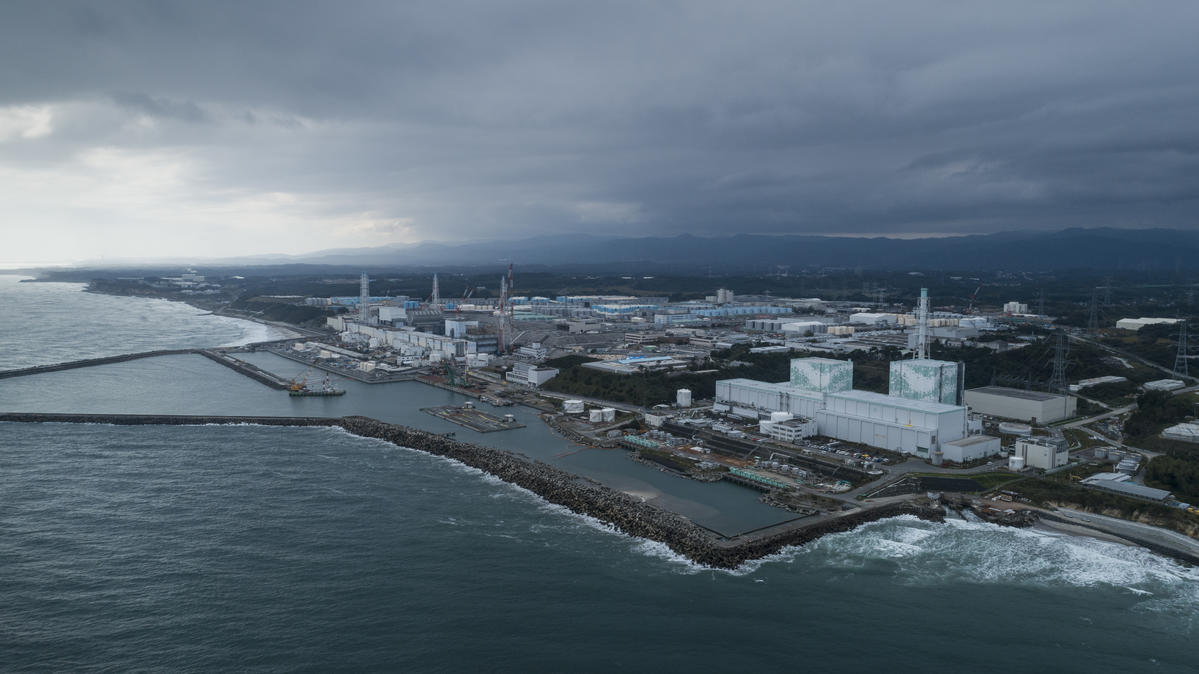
(1014, 403)
(1040, 454)
(822, 389)
(890, 422)
(1138, 323)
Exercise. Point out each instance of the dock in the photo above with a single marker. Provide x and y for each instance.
(472, 418)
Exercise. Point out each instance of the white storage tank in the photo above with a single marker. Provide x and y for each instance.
(596, 416)
(683, 397)
(1100, 452)
(937, 457)
(1015, 462)
(572, 406)
(608, 413)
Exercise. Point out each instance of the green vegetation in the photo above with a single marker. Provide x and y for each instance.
(1156, 410)
(1050, 492)
(1178, 473)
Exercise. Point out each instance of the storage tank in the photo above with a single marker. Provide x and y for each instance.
(596, 416)
(1100, 452)
(937, 457)
(572, 406)
(1015, 462)
(683, 397)
(608, 413)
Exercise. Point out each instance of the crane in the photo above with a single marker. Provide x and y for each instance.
(974, 294)
(298, 383)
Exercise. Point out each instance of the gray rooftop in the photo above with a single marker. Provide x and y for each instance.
(1023, 394)
(970, 440)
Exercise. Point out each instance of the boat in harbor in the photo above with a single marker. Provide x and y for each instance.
(301, 389)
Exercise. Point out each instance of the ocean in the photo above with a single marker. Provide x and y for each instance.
(308, 549)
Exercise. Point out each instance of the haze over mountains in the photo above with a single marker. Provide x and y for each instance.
(1099, 248)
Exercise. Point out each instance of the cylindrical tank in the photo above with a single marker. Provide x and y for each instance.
(596, 416)
(683, 397)
(1015, 462)
(937, 457)
(1100, 452)
(609, 414)
(572, 406)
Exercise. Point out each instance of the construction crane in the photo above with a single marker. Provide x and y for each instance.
(299, 385)
(970, 309)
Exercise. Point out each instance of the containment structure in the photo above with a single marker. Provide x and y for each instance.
(925, 379)
(824, 375)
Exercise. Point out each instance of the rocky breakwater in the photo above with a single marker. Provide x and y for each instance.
(627, 514)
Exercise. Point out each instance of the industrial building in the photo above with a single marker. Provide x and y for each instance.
(1039, 453)
(971, 448)
(1015, 308)
(787, 428)
(890, 422)
(1163, 385)
(1138, 323)
(1014, 403)
(1182, 432)
(821, 389)
(1120, 483)
(528, 374)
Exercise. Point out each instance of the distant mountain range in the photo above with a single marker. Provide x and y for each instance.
(1099, 248)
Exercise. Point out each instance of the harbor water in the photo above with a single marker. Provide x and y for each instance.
(279, 549)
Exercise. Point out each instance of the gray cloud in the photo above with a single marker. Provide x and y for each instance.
(484, 119)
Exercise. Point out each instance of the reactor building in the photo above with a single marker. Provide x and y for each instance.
(921, 413)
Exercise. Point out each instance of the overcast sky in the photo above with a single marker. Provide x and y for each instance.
(209, 128)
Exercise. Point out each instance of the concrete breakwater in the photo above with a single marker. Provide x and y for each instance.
(88, 362)
(252, 371)
(625, 513)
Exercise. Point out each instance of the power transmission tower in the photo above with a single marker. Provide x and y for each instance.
(1057, 382)
(1180, 360)
(1107, 291)
(1093, 318)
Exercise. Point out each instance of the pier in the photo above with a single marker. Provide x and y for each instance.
(472, 418)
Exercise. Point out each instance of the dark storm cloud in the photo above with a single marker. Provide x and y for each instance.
(501, 119)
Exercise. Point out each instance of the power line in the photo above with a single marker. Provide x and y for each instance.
(1057, 382)
(1093, 318)
(1180, 360)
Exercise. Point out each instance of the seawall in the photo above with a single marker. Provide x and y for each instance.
(88, 362)
(625, 513)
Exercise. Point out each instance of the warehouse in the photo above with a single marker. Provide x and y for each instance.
(1138, 323)
(1014, 403)
(971, 448)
